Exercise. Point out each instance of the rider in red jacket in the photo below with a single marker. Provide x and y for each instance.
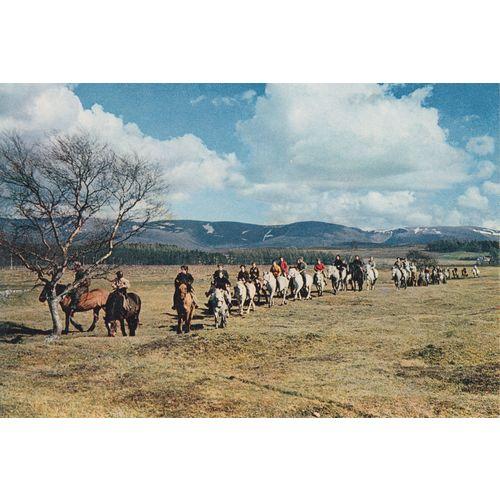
(319, 266)
(283, 266)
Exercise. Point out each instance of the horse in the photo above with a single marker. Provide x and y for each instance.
(412, 280)
(217, 302)
(184, 306)
(475, 271)
(240, 295)
(398, 278)
(319, 281)
(251, 291)
(116, 312)
(269, 285)
(297, 283)
(334, 274)
(94, 300)
(454, 273)
(282, 283)
(371, 277)
(464, 273)
(357, 278)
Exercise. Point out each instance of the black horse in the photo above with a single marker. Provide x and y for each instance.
(121, 308)
(357, 276)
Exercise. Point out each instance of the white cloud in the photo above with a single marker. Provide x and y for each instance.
(187, 163)
(350, 137)
(481, 146)
(225, 101)
(248, 95)
(492, 188)
(485, 169)
(197, 100)
(472, 198)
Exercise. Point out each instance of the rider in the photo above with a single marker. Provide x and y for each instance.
(120, 285)
(81, 283)
(338, 262)
(301, 267)
(243, 274)
(184, 277)
(254, 272)
(357, 262)
(275, 269)
(319, 266)
(220, 269)
(371, 264)
(283, 267)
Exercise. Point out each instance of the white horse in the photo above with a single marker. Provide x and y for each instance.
(269, 285)
(282, 284)
(297, 282)
(240, 295)
(219, 307)
(371, 277)
(251, 291)
(475, 271)
(319, 281)
(334, 275)
(398, 277)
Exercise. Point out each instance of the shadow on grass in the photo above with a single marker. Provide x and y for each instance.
(12, 333)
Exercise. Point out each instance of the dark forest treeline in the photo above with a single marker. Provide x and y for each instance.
(485, 246)
(159, 254)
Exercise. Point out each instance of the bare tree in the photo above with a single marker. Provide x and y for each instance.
(71, 198)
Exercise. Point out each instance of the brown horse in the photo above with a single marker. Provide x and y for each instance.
(94, 300)
(185, 308)
(119, 311)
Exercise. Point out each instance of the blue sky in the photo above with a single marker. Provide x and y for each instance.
(373, 156)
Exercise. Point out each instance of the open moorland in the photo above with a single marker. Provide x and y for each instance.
(421, 352)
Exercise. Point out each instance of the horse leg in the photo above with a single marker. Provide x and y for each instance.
(74, 323)
(122, 327)
(179, 323)
(94, 319)
(66, 323)
(132, 325)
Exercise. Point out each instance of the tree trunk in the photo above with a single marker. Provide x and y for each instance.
(56, 319)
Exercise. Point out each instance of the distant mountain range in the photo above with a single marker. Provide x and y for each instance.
(203, 235)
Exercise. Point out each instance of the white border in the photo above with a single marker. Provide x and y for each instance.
(258, 41)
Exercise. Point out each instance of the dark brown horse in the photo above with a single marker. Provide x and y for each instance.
(94, 300)
(184, 306)
(120, 309)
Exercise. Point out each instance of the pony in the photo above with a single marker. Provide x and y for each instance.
(357, 278)
(475, 271)
(251, 291)
(240, 295)
(398, 278)
(269, 285)
(465, 274)
(218, 305)
(319, 281)
(371, 277)
(116, 312)
(185, 309)
(334, 274)
(282, 284)
(94, 300)
(297, 283)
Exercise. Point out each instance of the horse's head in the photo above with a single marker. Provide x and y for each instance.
(183, 290)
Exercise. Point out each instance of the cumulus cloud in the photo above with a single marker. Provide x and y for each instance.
(481, 146)
(485, 169)
(352, 154)
(187, 163)
(492, 188)
(472, 198)
(350, 137)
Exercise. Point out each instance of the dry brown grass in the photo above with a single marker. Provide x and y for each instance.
(423, 352)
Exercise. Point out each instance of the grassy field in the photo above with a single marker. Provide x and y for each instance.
(422, 352)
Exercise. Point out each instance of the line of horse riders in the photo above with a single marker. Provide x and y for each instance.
(281, 280)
